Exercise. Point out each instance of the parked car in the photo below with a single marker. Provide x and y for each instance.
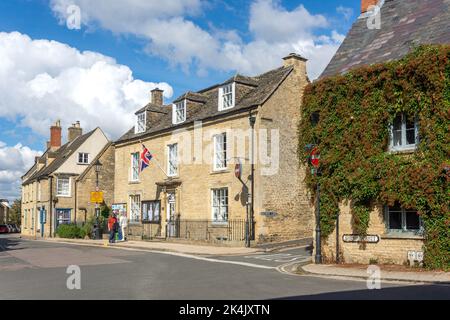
(16, 228)
(10, 228)
(3, 228)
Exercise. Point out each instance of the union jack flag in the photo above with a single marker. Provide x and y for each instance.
(146, 157)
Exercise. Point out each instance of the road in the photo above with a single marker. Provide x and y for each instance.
(37, 270)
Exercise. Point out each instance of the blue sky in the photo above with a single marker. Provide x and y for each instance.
(185, 45)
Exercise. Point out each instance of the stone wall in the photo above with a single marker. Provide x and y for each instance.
(391, 249)
(284, 191)
(87, 184)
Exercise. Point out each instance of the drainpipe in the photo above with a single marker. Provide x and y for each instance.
(75, 200)
(50, 213)
(252, 205)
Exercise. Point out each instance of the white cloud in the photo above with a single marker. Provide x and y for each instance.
(172, 36)
(41, 81)
(14, 162)
(347, 13)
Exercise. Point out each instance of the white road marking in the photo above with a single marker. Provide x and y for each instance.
(177, 254)
(280, 257)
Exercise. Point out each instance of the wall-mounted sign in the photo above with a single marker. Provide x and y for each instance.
(96, 197)
(415, 256)
(269, 214)
(358, 238)
(238, 170)
(119, 208)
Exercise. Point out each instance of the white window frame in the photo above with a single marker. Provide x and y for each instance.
(172, 160)
(141, 122)
(220, 155)
(179, 112)
(58, 190)
(135, 209)
(85, 158)
(404, 228)
(218, 205)
(134, 167)
(224, 93)
(404, 145)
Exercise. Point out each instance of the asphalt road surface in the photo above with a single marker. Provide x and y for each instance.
(38, 270)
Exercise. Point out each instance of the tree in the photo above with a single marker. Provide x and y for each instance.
(15, 213)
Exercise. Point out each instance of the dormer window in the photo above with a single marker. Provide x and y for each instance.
(227, 95)
(140, 123)
(179, 112)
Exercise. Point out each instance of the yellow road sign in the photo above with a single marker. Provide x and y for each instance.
(97, 197)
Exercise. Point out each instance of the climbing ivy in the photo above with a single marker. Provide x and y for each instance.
(352, 134)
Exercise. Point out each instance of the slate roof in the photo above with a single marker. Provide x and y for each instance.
(252, 92)
(404, 24)
(60, 156)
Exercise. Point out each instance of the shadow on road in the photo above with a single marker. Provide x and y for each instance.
(424, 292)
(9, 244)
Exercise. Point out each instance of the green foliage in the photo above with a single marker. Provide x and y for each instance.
(105, 211)
(87, 228)
(353, 135)
(69, 231)
(15, 216)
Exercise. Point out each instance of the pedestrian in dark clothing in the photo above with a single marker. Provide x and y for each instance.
(112, 225)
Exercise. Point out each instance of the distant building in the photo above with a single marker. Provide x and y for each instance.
(4, 211)
(57, 189)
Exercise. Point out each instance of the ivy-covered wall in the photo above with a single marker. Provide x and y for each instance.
(356, 110)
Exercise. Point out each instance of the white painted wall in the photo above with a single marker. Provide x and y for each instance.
(93, 145)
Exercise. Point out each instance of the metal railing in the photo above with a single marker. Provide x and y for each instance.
(207, 230)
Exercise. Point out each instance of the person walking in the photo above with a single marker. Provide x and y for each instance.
(123, 221)
(112, 228)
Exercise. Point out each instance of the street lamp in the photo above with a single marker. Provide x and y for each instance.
(98, 166)
(251, 198)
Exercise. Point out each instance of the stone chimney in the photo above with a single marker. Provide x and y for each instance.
(74, 131)
(297, 61)
(366, 4)
(55, 136)
(157, 97)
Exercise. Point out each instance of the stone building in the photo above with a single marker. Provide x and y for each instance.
(394, 231)
(56, 190)
(190, 189)
(4, 211)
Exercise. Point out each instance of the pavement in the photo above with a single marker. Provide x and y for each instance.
(385, 275)
(41, 270)
(162, 246)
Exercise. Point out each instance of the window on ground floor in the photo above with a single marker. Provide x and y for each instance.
(399, 219)
(220, 205)
(151, 211)
(135, 209)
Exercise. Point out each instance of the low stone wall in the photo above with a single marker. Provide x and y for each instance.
(391, 249)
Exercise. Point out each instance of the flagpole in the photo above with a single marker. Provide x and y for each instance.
(156, 161)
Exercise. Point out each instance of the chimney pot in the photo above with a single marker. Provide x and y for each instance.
(55, 136)
(157, 97)
(366, 4)
(75, 131)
